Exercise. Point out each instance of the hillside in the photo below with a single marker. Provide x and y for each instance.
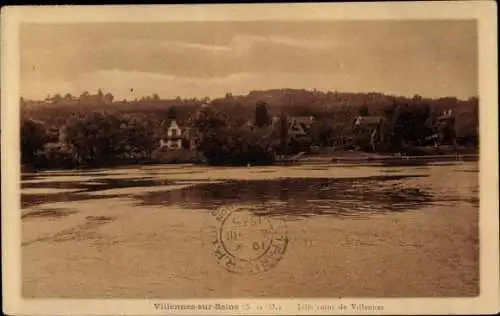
(340, 107)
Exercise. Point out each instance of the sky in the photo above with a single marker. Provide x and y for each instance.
(195, 59)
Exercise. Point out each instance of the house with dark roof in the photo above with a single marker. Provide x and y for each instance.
(367, 121)
(300, 127)
(371, 126)
(299, 132)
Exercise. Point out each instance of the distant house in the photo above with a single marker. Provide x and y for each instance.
(445, 128)
(371, 126)
(175, 137)
(300, 127)
(298, 132)
(57, 135)
(446, 118)
(367, 121)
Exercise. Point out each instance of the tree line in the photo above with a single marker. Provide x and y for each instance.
(232, 130)
(89, 139)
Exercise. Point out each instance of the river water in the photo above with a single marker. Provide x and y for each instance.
(351, 230)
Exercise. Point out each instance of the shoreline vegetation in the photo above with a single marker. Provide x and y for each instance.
(94, 131)
(342, 159)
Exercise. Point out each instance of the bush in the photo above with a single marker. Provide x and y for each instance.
(237, 147)
(105, 139)
(56, 156)
(34, 136)
(223, 142)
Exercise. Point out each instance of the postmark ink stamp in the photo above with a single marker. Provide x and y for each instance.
(246, 242)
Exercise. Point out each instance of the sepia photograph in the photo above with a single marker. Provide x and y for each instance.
(211, 160)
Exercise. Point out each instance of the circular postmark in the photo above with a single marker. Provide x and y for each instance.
(247, 242)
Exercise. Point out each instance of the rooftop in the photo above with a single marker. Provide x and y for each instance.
(368, 120)
(308, 120)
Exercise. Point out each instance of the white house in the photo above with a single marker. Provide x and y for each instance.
(175, 136)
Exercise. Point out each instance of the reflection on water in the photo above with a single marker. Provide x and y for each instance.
(48, 213)
(300, 197)
(82, 188)
(393, 191)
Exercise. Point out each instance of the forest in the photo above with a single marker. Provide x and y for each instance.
(96, 130)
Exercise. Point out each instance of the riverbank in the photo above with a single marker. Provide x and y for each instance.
(406, 159)
(337, 157)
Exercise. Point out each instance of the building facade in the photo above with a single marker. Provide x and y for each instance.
(175, 136)
(369, 128)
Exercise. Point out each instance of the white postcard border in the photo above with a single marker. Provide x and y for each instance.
(483, 11)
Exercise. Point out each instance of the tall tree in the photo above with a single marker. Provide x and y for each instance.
(172, 113)
(283, 130)
(56, 98)
(363, 110)
(261, 115)
(33, 138)
(85, 96)
(108, 98)
(100, 96)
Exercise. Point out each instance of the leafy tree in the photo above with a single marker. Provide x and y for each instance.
(33, 138)
(108, 98)
(56, 155)
(85, 96)
(283, 132)
(57, 98)
(172, 113)
(92, 137)
(237, 146)
(100, 96)
(105, 139)
(323, 131)
(139, 135)
(363, 111)
(406, 125)
(224, 143)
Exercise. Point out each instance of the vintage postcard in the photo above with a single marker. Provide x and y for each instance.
(292, 159)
